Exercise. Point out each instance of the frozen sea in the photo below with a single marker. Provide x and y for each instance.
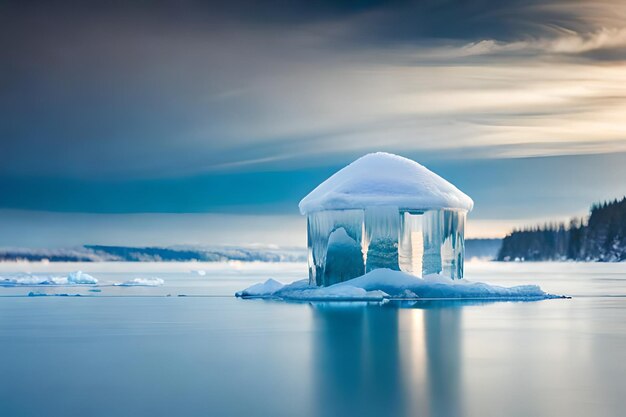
(190, 348)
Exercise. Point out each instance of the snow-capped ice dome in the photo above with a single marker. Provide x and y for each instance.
(384, 179)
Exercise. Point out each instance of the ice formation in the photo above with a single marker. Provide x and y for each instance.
(141, 282)
(384, 211)
(261, 289)
(382, 284)
(79, 277)
(73, 278)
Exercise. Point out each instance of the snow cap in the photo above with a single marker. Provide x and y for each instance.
(384, 179)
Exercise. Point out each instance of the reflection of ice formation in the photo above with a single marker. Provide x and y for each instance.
(384, 211)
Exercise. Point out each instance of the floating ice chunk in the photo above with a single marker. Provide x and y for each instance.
(79, 277)
(73, 278)
(141, 282)
(261, 289)
(200, 272)
(302, 291)
(25, 279)
(385, 283)
(41, 294)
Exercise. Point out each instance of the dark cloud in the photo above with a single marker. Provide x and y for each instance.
(153, 99)
(363, 21)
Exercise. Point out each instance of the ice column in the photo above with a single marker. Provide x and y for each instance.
(344, 244)
(444, 247)
(432, 242)
(344, 259)
(453, 248)
(458, 236)
(380, 240)
(334, 246)
(411, 244)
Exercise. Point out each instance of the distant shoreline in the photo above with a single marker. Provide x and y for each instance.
(486, 249)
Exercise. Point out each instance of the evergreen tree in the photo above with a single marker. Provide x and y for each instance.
(599, 237)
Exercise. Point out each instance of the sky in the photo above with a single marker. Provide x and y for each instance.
(188, 122)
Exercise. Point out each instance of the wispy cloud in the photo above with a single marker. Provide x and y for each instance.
(567, 42)
(205, 92)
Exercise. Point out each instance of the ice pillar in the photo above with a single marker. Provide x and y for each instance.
(344, 259)
(334, 246)
(344, 244)
(380, 240)
(432, 243)
(411, 244)
(453, 247)
(444, 247)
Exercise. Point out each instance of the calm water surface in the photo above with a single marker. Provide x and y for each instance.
(135, 352)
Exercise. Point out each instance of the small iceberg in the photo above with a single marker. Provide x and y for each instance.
(41, 294)
(79, 277)
(382, 284)
(73, 278)
(141, 282)
(262, 289)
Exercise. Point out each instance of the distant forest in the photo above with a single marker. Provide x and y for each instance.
(599, 237)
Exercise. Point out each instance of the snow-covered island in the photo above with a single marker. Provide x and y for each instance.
(379, 225)
(385, 284)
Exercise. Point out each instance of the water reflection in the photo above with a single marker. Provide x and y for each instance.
(357, 365)
(396, 359)
(442, 337)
